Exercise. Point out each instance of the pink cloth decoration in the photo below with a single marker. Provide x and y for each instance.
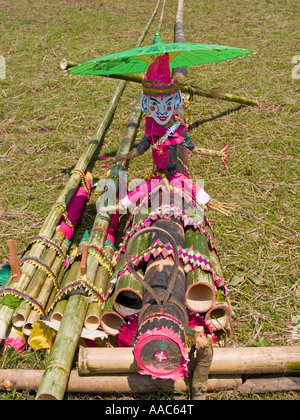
(178, 180)
(127, 332)
(159, 70)
(113, 227)
(75, 209)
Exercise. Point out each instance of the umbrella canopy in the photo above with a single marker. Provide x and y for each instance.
(137, 60)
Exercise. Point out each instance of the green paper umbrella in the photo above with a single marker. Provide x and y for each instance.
(137, 60)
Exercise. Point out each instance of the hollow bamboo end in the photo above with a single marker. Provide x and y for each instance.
(200, 297)
(127, 302)
(111, 322)
(219, 316)
(56, 317)
(27, 327)
(45, 397)
(19, 320)
(92, 322)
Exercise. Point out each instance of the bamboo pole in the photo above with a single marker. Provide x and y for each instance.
(16, 379)
(200, 288)
(42, 298)
(226, 360)
(70, 274)
(92, 319)
(55, 213)
(110, 319)
(219, 316)
(132, 383)
(40, 277)
(186, 86)
(128, 293)
(55, 378)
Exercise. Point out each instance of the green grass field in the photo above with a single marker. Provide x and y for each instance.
(47, 119)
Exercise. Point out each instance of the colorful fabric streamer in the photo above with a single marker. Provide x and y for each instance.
(72, 213)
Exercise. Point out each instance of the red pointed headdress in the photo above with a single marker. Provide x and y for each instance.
(158, 80)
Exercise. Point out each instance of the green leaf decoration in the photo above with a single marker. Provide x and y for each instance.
(13, 302)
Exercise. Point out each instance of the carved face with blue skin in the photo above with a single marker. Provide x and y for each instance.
(161, 108)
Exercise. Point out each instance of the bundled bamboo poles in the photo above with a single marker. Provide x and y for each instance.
(55, 378)
(200, 288)
(56, 314)
(92, 319)
(47, 231)
(128, 293)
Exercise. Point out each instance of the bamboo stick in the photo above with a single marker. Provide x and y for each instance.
(128, 294)
(219, 316)
(222, 335)
(40, 277)
(131, 383)
(92, 319)
(55, 213)
(42, 298)
(69, 275)
(110, 319)
(197, 91)
(16, 379)
(204, 355)
(226, 360)
(200, 288)
(55, 379)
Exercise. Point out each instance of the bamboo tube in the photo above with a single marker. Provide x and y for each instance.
(197, 91)
(42, 298)
(55, 213)
(200, 288)
(262, 385)
(92, 319)
(55, 379)
(15, 379)
(56, 375)
(125, 144)
(128, 294)
(58, 312)
(226, 360)
(219, 316)
(133, 383)
(110, 319)
(69, 275)
(41, 285)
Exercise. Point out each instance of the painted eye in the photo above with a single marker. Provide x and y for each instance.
(152, 108)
